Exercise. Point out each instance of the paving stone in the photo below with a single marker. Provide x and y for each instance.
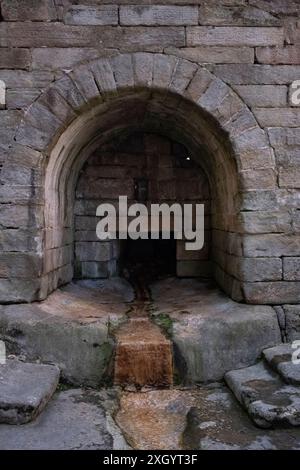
(73, 420)
(280, 359)
(268, 401)
(25, 390)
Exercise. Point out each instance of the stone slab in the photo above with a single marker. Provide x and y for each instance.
(25, 390)
(268, 401)
(71, 328)
(280, 359)
(211, 333)
(74, 420)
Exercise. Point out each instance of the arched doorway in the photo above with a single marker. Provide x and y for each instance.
(151, 93)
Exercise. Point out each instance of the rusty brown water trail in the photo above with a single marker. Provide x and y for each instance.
(143, 354)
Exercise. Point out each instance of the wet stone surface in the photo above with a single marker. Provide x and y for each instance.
(207, 417)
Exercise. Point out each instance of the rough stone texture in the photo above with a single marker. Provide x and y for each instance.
(207, 328)
(92, 15)
(205, 418)
(235, 36)
(256, 191)
(22, 10)
(15, 59)
(280, 359)
(267, 400)
(70, 329)
(73, 420)
(263, 95)
(229, 14)
(291, 269)
(134, 15)
(25, 390)
(214, 54)
(280, 55)
(292, 318)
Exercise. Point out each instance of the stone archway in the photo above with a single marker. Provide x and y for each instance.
(142, 90)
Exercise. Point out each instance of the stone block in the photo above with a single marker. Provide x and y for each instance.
(256, 74)
(25, 390)
(278, 292)
(267, 200)
(291, 269)
(28, 10)
(21, 97)
(259, 269)
(276, 7)
(9, 121)
(279, 55)
(21, 265)
(92, 15)
(15, 58)
(20, 240)
(139, 38)
(19, 290)
(275, 117)
(52, 58)
(216, 336)
(234, 36)
(264, 178)
(38, 34)
(93, 251)
(214, 54)
(263, 95)
(64, 341)
(289, 177)
(271, 245)
(292, 317)
(282, 137)
(122, 67)
(265, 221)
(235, 14)
(19, 216)
(23, 79)
(152, 15)
(199, 84)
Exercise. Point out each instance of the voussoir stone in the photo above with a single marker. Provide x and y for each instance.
(25, 390)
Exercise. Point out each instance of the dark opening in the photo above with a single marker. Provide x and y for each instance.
(152, 259)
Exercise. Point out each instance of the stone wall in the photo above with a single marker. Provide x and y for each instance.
(252, 46)
(112, 171)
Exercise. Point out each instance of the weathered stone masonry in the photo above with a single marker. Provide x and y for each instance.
(214, 76)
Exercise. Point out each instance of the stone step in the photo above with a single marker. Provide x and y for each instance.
(280, 359)
(143, 355)
(268, 401)
(25, 390)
